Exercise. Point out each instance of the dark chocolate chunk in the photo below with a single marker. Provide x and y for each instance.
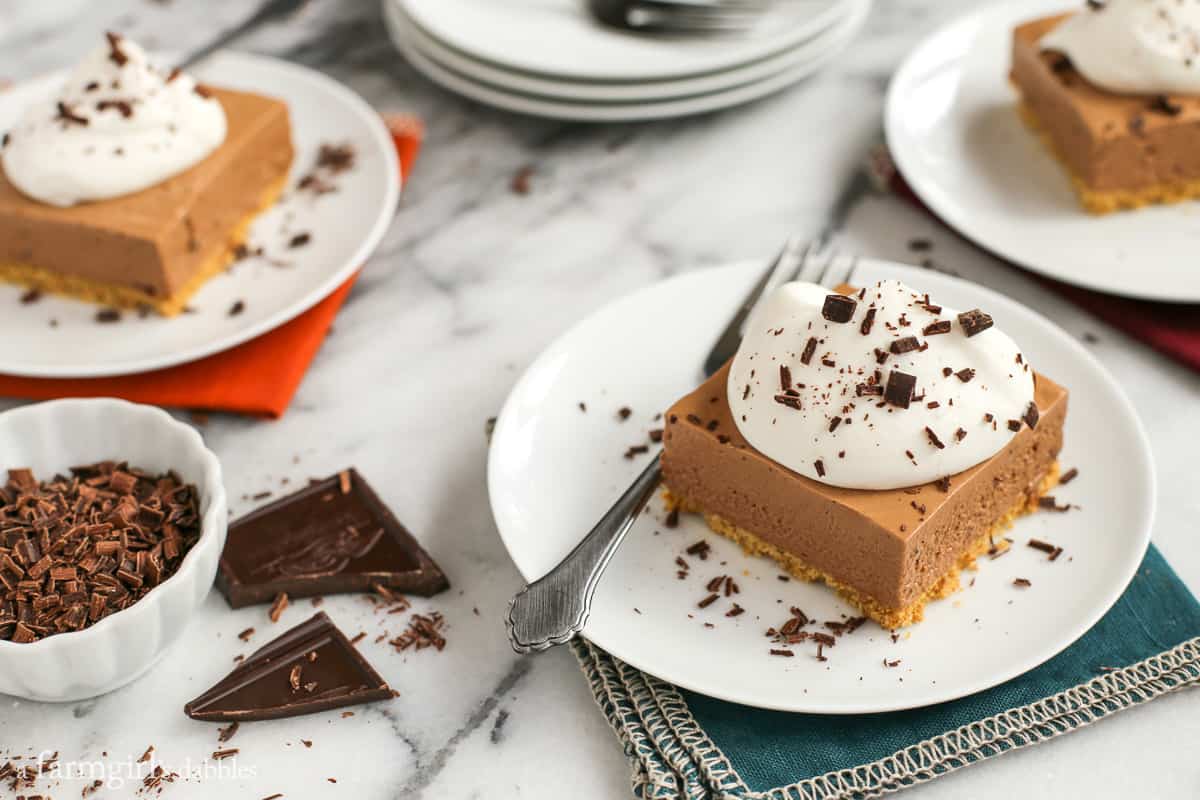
(833, 424)
(819, 466)
(881, 355)
(868, 322)
(1014, 425)
(904, 345)
(1031, 415)
(974, 322)
(868, 389)
(965, 375)
(333, 536)
(838, 308)
(785, 378)
(810, 347)
(262, 686)
(1023, 583)
(899, 390)
(934, 328)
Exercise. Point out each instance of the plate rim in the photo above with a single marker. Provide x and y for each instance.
(804, 31)
(451, 81)
(1144, 452)
(924, 183)
(543, 86)
(378, 134)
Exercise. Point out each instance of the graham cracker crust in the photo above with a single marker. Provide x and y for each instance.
(115, 296)
(1105, 202)
(890, 618)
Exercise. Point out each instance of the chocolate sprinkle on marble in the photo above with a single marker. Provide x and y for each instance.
(74, 550)
(974, 322)
(904, 345)
(810, 347)
(838, 308)
(899, 390)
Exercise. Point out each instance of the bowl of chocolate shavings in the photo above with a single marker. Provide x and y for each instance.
(112, 520)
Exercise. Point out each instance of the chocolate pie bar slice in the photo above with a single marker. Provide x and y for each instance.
(312, 667)
(886, 552)
(1122, 151)
(333, 536)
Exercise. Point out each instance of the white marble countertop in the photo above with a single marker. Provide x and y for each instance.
(472, 273)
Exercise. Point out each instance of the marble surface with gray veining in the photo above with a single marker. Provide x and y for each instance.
(471, 282)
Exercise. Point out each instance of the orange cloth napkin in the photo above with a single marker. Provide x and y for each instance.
(258, 377)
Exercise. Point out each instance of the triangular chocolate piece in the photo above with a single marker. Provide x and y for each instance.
(312, 667)
(333, 536)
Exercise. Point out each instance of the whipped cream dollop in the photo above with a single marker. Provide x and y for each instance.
(879, 390)
(1134, 46)
(118, 126)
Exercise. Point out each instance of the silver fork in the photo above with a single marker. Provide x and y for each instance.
(679, 16)
(555, 607)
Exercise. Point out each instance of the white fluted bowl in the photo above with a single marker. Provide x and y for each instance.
(50, 438)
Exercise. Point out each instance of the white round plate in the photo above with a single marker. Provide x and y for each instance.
(554, 469)
(619, 112)
(820, 46)
(345, 226)
(559, 38)
(953, 130)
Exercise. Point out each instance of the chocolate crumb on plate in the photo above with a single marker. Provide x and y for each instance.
(1068, 476)
(107, 315)
(965, 375)
(624, 412)
(30, 296)
(277, 607)
(935, 328)
(237, 308)
(227, 733)
(1023, 583)
(904, 344)
(810, 347)
(299, 240)
(781, 652)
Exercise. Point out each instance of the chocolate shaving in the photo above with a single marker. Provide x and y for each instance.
(838, 308)
(935, 328)
(974, 322)
(780, 652)
(965, 375)
(868, 322)
(810, 347)
(123, 106)
(785, 378)
(1069, 476)
(68, 117)
(788, 400)
(115, 52)
(819, 466)
(904, 345)
(1023, 583)
(708, 601)
(933, 438)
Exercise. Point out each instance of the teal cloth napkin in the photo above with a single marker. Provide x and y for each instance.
(686, 745)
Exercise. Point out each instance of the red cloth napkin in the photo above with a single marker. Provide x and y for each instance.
(1171, 328)
(258, 377)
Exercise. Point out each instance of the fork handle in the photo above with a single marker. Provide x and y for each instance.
(555, 607)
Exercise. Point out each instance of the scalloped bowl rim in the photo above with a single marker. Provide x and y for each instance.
(210, 524)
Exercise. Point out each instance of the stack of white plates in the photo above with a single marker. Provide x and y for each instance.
(550, 58)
